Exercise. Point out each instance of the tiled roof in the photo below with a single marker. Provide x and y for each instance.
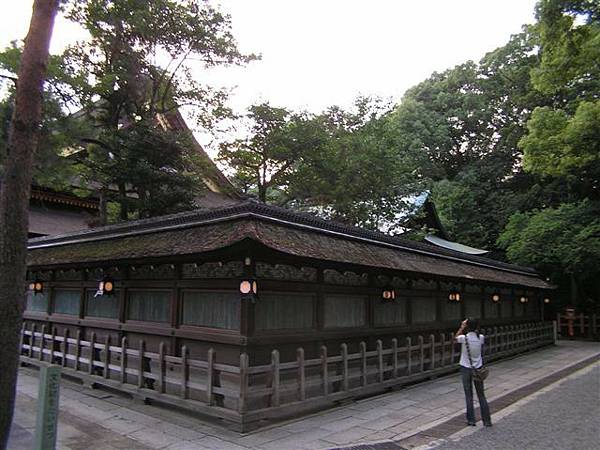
(298, 234)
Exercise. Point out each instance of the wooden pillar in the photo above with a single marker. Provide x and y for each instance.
(363, 363)
(395, 357)
(242, 406)
(344, 355)
(124, 360)
(275, 377)
(210, 371)
(380, 360)
(324, 371)
(301, 375)
(185, 373)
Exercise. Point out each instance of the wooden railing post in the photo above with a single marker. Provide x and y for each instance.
(555, 332)
(185, 373)
(301, 374)
(495, 341)
(107, 357)
(77, 349)
(32, 340)
(363, 363)
(243, 383)
(92, 353)
(162, 368)
(141, 351)
(432, 356)
(395, 357)
(421, 353)
(344, 354)
(486, 348)
(210, 373)
(22, 337)
(65, 347)
(443, 350)
(408, 356)
(42, 337)
(324, 372)
(124, 360)
(380, 360)
(275, 377)
(452, 345)
(52, 342)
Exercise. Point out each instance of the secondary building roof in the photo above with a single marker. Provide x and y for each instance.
(292, 233)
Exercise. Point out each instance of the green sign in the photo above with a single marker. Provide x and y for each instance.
(47, 413)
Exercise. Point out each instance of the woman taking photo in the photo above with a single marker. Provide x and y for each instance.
(470, 360)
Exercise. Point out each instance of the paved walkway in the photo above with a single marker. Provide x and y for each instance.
(106, 421)
(564, 415)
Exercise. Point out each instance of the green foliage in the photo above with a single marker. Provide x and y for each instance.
(463, 126)
(558, 145)
(569, 33)
(130, 97)
(566, 238)
(119, 63)
(344, 165)
(127, 81)
(562, 148)
(265, 160)
(359, 174)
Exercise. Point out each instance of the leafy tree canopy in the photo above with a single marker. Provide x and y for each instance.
(127, 79)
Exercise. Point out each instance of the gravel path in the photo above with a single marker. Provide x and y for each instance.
(566, 416)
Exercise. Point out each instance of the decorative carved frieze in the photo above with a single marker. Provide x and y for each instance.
(473, 288)
(231, 269)
(97, 273)
(491, 290)
(42, 275)
(285, 272)
(347, 278)
(68, 274)
(397, 282)
(152, 272)
(421, 283)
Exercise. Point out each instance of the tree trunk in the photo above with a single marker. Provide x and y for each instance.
(262, 193)
(123, 203)
(14, 200)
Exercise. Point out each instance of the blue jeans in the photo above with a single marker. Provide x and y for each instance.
(467, 380)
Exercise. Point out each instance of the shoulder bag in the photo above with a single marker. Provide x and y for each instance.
(478, 374)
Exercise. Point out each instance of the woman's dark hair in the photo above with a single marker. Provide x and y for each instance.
(473, 325)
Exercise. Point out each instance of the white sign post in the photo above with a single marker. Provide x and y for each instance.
(47, 412)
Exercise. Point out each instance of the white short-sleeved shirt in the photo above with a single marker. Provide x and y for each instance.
(475, 344)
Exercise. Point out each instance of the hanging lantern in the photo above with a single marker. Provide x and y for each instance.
(388, 294)
(105, 287)
(454, 296)
(495, 297)
(523, 299)
(37, 287)
(546, 300)
(248, 287)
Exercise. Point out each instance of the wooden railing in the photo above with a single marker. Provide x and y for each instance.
(578, 325)
(244, 395)
(192, 384)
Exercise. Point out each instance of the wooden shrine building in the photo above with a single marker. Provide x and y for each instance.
(238, 283)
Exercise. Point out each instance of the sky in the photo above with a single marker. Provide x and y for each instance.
(317, 53)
